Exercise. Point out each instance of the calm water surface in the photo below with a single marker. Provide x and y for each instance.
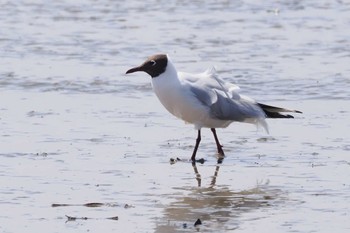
(76, 131)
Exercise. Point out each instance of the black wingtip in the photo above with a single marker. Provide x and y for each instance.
(277, 115)
(275, 112)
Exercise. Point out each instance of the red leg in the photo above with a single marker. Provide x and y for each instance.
(218, 145)
(198, 140)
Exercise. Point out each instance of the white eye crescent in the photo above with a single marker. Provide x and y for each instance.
(153, 62)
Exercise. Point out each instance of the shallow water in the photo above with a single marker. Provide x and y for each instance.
(75, 130)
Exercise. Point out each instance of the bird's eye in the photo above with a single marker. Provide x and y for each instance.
(152, 62)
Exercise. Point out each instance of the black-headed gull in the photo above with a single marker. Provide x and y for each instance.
(204, 99)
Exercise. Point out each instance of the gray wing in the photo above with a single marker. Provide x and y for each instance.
(221, 107)
(235, 109)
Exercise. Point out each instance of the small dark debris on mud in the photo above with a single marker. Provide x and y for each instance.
(198, 222)
(201, 161)
(172, 160)
(127, 206)
(92, 205)
(43, 154)
(70, 218)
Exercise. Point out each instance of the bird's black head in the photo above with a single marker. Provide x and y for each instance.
(154, 65)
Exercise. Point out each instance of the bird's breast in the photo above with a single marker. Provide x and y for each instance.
(180, 102)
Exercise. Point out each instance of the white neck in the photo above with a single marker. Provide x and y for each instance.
(167, 86)
(167, 79)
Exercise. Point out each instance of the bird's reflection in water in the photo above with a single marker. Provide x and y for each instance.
(218, 206)
(199, 177)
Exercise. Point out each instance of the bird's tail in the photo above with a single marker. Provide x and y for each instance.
(275, 112)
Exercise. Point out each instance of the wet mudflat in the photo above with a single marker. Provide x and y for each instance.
(85, 148)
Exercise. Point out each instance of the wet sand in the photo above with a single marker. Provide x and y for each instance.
(291, 180)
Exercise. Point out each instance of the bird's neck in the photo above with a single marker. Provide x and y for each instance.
(167, 87)
(168, 79)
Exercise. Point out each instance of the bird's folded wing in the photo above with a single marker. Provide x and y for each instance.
(223, 108)
(210, 79)
(223, 98)
(241, 109)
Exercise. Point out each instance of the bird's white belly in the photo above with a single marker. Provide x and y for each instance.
(185, 106)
